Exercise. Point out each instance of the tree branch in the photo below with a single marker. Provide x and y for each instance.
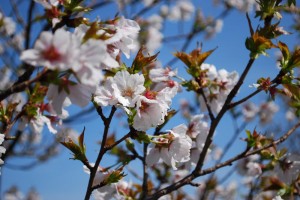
(244, 154)
(21, 86)
(106, 122)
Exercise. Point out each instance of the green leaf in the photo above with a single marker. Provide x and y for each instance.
(284, 50)
(129, 144)
(294, 91)
(142, 137)
(78, 150)
(115, 176)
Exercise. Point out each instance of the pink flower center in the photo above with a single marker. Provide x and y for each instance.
(51, 54)
(171, 83)
(128, 93)
(144, 106)
(150, 94)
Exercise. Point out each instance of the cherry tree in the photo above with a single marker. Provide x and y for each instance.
(170, 123)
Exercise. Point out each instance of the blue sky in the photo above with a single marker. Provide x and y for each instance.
(61, 178)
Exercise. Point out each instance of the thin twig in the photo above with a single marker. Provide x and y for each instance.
(224, 109)
(145, 9)
(107, 148)
(145, 174)
(244, 154)
(21, 86)
(210, 113)
(106, 122)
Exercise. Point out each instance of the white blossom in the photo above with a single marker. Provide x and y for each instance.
(13, 193)
(54, 51)
(162, 74)
(267, 111)
(197, 126)
(175, 148)
(242, 5)
(250, 111)
(78, 94)
(182, 10)
(277, 198)
(150, 113)
(254, 169)
(217, 95)
(127, 87)
(7, 25)
(65, 134)
(126, 34)
(103, 193)
(105, 94)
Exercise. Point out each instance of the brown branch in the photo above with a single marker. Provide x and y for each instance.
(107, 148)
(145, 189)
(16, 12)
(234, 104)
(106, 122)
(29, 69)
(21, 86)
(145, 9)
(224, 109)
(276, 81)
(210, 113)
(187, 180)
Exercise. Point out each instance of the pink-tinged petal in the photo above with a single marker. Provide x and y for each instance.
(165, 156)
(153, 157)
(31, 56)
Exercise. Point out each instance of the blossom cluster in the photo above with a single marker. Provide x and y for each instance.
(180, 145)
(265, 111)
(80, 61)
(148, 107)
(218, 85)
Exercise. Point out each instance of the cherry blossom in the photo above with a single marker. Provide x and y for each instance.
(220, 83)
(254, 169)
(127, 87)
(123, 88)
(65, 134)
(7, 25)
(161, 74)
(103, 193)
(267, 111)
(249, 111)
(126, 34)
(173, 148)
(105, 94)
(54, 51)
(37, 123)
(182, 10)
(242, 5)
(47, 4)
(78, 94)
(227, 192)
(198, 126)
(150, 113)
(154, 39)
(52, 11)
